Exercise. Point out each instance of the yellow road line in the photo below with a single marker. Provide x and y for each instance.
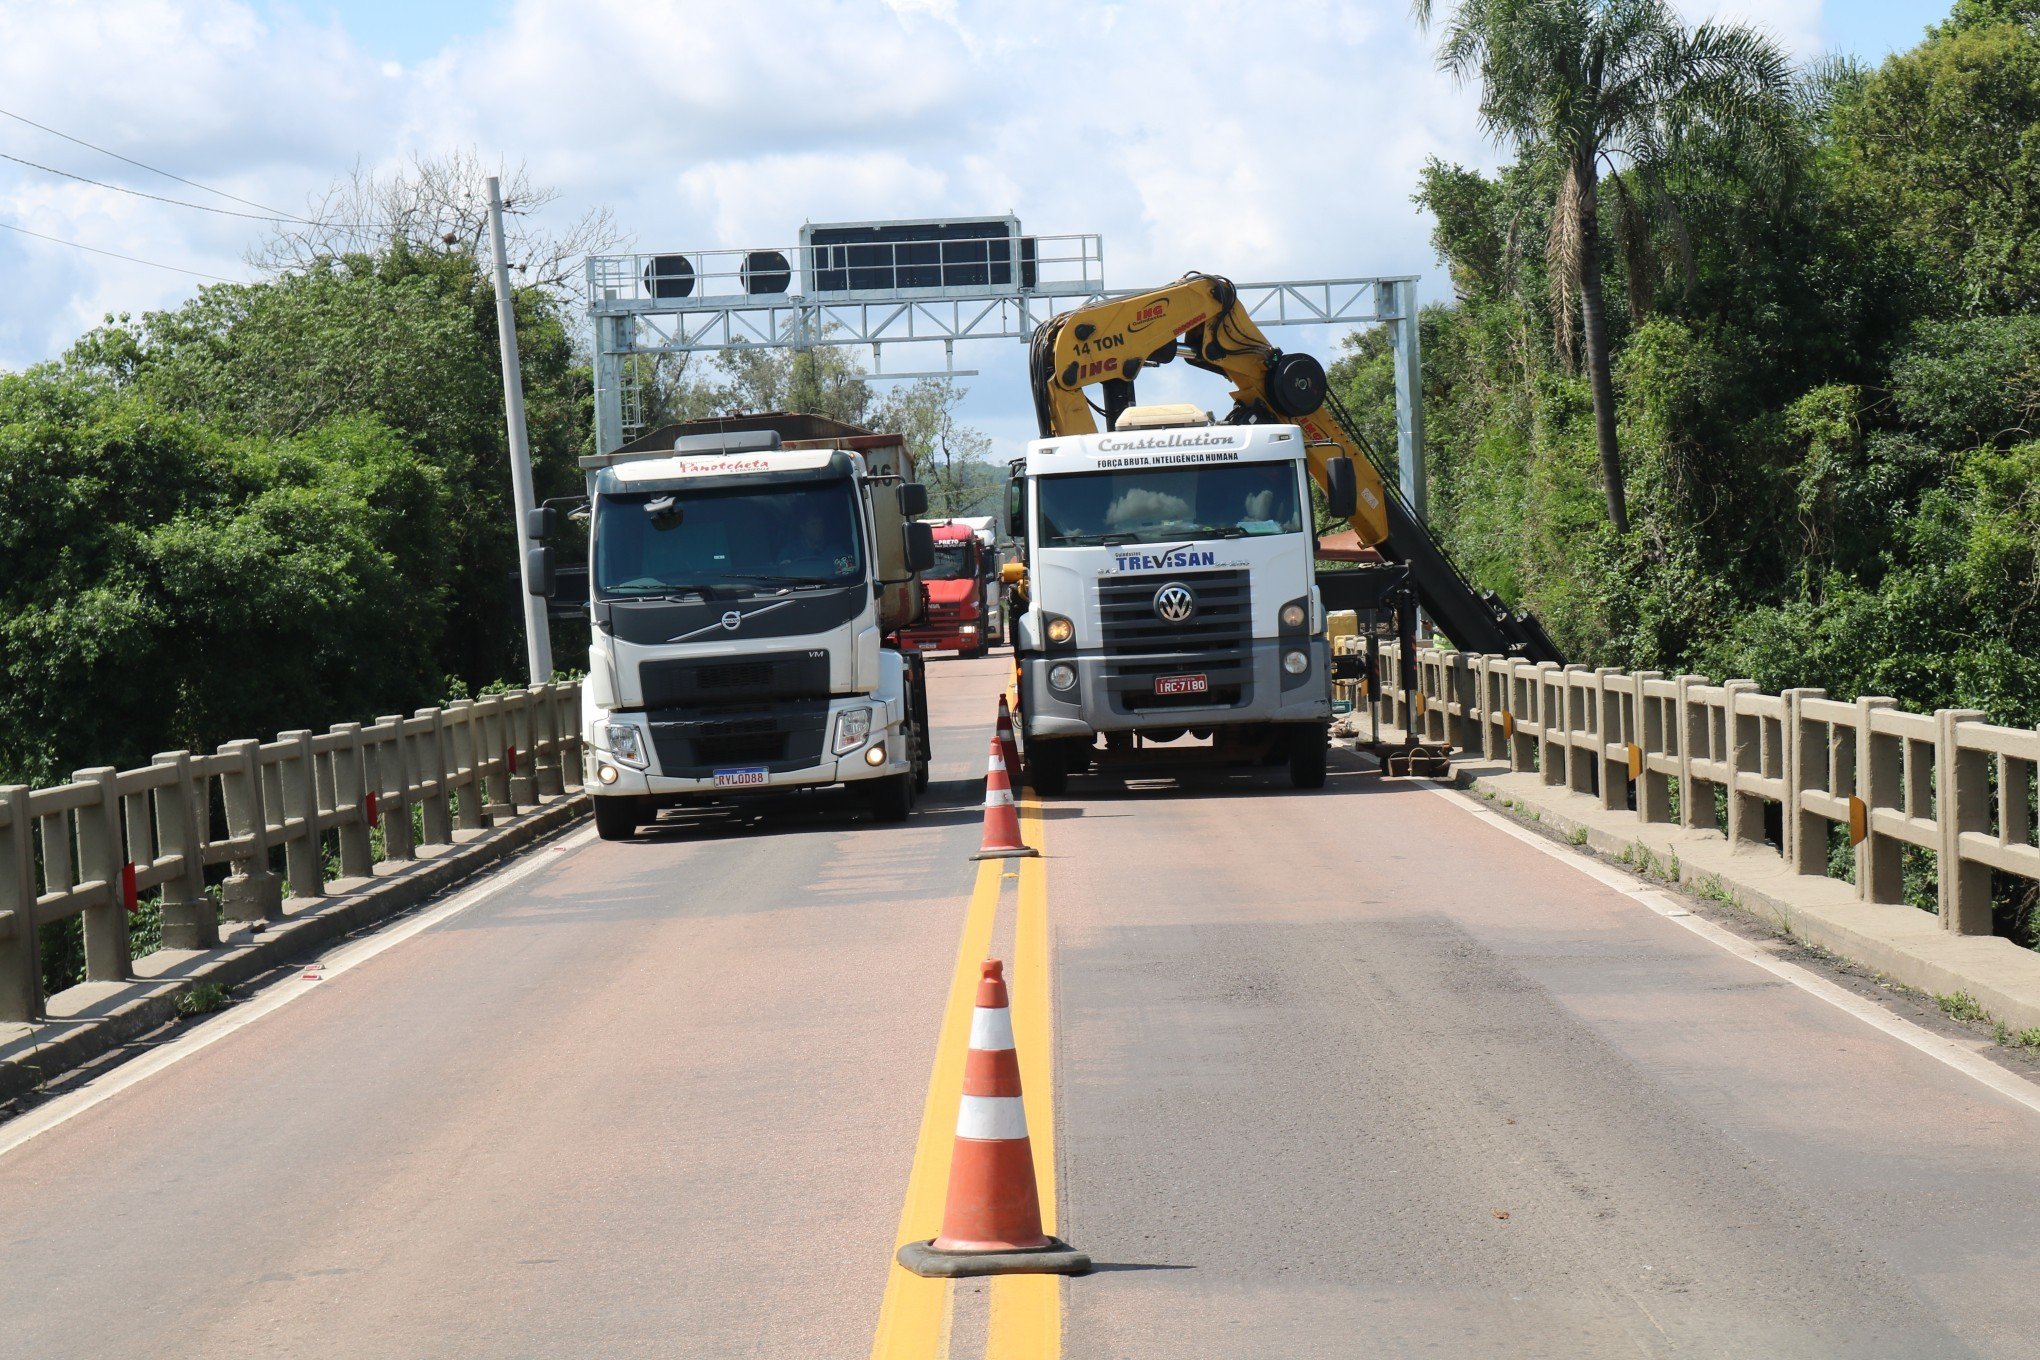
(913, 1321)
(1027, 1309)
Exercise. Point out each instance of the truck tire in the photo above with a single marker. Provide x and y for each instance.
(1048, 766)
(892, 798)
(1308, 747)
(616, 819)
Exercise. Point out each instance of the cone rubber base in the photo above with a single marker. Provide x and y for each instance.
(1057, 1258)
(1017, 852)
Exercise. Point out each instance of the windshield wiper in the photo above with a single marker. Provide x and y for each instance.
(771, 579)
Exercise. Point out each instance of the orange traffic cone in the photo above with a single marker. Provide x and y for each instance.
(992, 1222)
(1002, 818)
(1007, 743)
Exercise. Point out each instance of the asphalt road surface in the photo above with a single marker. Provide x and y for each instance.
(1351, 1073)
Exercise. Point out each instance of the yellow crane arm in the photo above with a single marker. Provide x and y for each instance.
(1107, 344)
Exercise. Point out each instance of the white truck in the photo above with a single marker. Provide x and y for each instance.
(1169, 591)
(743, 590)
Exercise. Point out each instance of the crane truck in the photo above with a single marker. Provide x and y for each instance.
(1167, 583)
(746, 579)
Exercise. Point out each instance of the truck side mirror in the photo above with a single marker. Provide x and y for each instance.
(541, 522)
(539, 578)
(920, 546)
(913, 499)
(1342, 489)
(1016, 508)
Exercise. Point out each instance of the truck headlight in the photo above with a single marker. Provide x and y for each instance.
(1062, 675)
(1296, 663)
(853, 725)
(1060, 629)
(626, 742)
(1292, 615)
(967, 628)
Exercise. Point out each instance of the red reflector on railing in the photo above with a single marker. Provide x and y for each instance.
(130, 892)
(510, 758)
(374, 811)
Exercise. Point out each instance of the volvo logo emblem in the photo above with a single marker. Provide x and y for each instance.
(1174, 603)
(732, 619)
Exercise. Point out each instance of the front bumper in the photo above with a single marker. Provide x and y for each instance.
(1093, 705)
(781, 775)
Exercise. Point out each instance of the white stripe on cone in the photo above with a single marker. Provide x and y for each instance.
(991, 1118)
(991, 1030)
(998, 798)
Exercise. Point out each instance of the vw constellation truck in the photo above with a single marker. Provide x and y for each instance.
(1168, 590)
(746, 579)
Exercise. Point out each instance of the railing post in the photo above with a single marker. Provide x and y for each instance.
(102, 854)
(21, 995)
(1696, 795)
(254, 891)
(550, 756)
(304, 854)
(523, 786)
(434, 773)
(1609, 684)
(1579, 735)
(350, 791)
(567, 724)
(1806, 767)
(392, 776)
(464, 747)
(1745, 757)
(1522, 681)
(1880, 773)
(1962, 803)
(183, 815)
(492, 732)
(1653, 788)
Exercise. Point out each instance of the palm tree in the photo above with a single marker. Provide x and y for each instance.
(1605, 84)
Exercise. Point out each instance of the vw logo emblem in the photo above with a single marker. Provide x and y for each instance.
(1174, 603)
(732, 619)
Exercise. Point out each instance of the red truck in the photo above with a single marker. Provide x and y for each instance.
(962, 593)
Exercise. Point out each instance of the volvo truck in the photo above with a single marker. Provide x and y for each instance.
(747, 578)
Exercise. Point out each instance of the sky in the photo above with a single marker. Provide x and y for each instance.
(1277, 140)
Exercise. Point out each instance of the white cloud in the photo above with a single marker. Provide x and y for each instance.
(1257, 141)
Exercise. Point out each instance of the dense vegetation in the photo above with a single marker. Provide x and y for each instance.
(283, 504)
(1824, 373)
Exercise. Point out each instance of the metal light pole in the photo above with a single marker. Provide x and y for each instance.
(537, 640)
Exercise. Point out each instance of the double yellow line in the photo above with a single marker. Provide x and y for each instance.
(1026, 1317)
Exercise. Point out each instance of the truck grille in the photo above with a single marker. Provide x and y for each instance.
(1215, 642)
(735, 680)
(786, 737)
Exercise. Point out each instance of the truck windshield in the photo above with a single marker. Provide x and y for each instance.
(952, 563)
(1150, 505)
(655, 542)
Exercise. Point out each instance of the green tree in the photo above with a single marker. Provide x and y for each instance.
(1597, 85)
(950, 458)
(1943, 142)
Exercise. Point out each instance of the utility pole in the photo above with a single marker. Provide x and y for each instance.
(537, 640)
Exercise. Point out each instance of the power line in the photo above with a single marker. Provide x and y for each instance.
(280, 216)
(156, 198)
(114, 254)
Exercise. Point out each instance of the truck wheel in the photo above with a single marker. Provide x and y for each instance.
(1048, 766)
(892, 798)
(616, 819)
(1307, 750)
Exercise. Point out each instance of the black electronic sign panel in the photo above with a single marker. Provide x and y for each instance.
(857, 257)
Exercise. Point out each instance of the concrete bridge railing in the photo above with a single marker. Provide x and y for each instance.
(1798, 762)
(94, 846)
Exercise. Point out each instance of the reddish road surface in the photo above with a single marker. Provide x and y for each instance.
(1355, 1073)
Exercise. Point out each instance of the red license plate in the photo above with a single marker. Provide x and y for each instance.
(1181, 684)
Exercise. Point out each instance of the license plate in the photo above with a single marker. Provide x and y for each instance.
(740, 779)
(1181, 684)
